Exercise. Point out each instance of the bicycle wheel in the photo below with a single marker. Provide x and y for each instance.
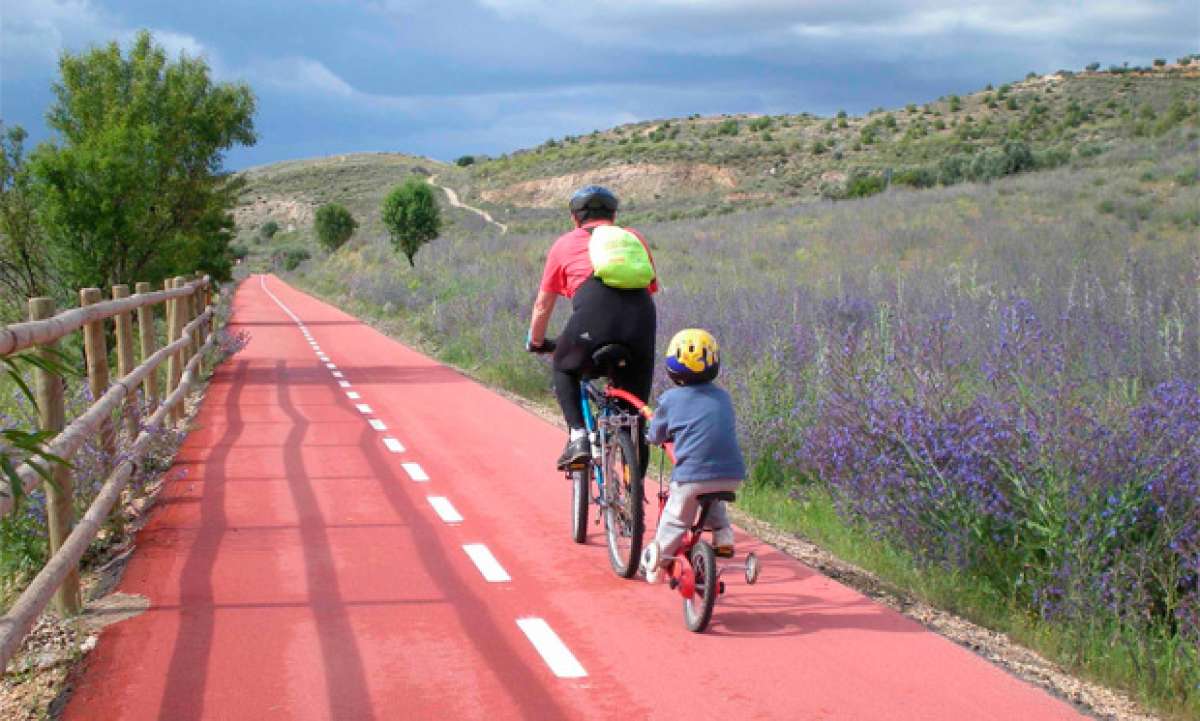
(624, 521)
(581, 481)
(697, 610)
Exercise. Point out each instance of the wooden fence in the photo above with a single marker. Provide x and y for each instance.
(189, 333)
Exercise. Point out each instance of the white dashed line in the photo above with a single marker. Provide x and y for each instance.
(338, 374)
(377, 424)
(353, 395)
(447, 511)
(363, 408)
(487, 564)
(393, 445)
(331, 366)
(415, 472)
(344, 384)
(553, 651)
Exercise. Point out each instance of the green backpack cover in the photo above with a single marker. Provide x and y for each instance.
(619, 259)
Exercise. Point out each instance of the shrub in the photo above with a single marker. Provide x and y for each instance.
(758, 124)
(915, 177)
(729, 126)
(1184, 61)
(955, 103)
(465, 160)
(863, 184)
(290, 257)
(238, 251)
(1092, 67)
(334, 226)
(818, 147)
(267, 230)
(1160, 62)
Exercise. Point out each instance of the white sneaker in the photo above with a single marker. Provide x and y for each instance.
(650, 560)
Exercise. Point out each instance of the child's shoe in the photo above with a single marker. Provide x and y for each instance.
(723, 542)
(651, 557)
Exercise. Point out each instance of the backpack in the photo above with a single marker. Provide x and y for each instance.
(619, 259)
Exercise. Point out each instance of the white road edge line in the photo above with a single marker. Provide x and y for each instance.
(553, 651)
(445, 509)
(487, 564)
(415, 472)
(393, 445)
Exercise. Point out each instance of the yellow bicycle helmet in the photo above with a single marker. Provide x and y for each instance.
(692, 357)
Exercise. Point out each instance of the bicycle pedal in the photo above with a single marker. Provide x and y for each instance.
(724, 551)
(721, 588)
(674, 583)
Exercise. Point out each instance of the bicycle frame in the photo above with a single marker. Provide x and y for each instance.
(602, 421)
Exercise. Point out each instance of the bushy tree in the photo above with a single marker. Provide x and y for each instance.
(334, 225)
(1092, 67)
(267, 230)
(1160, 62)
(465, 160)
(23, 272)
(134, 190)
(411, 216)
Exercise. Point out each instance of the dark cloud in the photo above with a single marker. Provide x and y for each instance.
(443, 78)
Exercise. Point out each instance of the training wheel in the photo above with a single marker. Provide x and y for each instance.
(751, 568)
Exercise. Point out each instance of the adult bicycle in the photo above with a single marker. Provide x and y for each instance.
(612, 478)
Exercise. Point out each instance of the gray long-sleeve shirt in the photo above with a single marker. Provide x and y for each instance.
(699, 419)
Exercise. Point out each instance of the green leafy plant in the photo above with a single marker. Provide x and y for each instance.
(412, 217)
(334, 226)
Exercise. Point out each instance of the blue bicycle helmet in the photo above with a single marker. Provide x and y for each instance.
(594, 197)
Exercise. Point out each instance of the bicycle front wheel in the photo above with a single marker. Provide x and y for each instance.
(580, 491)
(624, 518)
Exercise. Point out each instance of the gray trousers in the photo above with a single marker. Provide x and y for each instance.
(682, 512)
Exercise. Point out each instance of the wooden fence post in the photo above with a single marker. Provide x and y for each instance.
(174, 367)
(60, 512)
(95, 348)
(125, 363)
(149, 343)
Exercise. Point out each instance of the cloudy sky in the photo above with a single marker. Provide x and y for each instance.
(444, 78)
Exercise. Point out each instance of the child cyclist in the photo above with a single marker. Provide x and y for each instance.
(698, 417)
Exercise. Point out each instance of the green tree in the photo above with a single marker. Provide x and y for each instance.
(23, 272)
(134, 189)
(267, 230)
(411, 216)
(335, 225)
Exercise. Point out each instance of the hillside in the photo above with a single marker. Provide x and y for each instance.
(697, 166)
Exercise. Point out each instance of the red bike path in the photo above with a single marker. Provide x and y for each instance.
(296, 570)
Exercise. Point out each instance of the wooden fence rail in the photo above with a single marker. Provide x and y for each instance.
(190, 335)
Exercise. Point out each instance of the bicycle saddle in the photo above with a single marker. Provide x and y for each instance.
(729, 496)
(607, 357)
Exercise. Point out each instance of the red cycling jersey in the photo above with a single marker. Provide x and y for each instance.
(568, 264)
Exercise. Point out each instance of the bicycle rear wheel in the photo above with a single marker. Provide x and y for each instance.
(624, 519)
(698, 610)
(581, 481)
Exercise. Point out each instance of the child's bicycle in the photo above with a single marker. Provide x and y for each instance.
(693, 570)
(613, 426)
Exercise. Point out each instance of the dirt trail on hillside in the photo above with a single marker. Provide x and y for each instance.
(454, 201)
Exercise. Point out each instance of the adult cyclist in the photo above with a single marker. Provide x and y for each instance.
(600, 315)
